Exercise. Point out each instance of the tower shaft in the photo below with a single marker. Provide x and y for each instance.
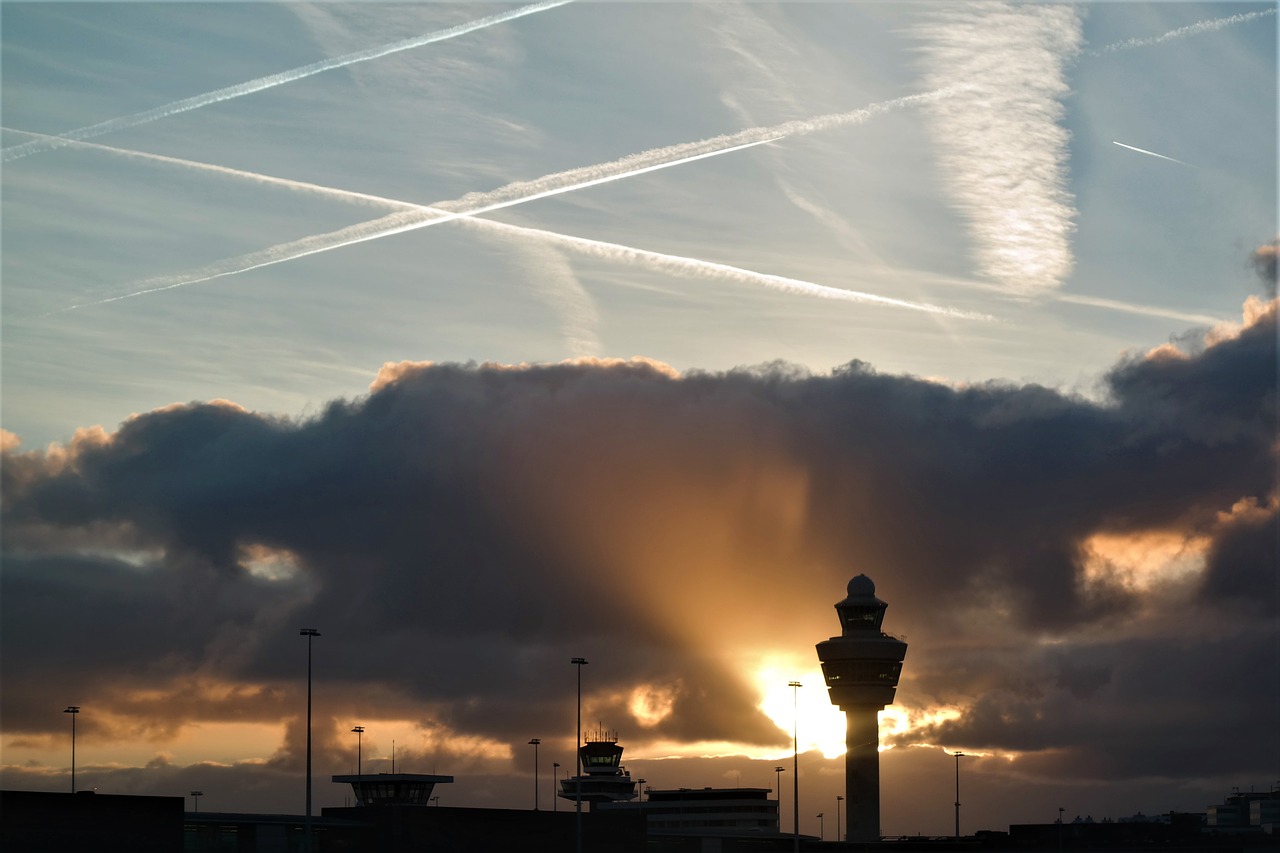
(862, 772)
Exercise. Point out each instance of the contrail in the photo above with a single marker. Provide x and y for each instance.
(475, 204)
(1195, 29)
(394, 223)
(1150, 153)
(612, 252)
(1143, 310)
(16, 152)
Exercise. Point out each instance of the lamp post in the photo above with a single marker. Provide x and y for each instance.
(73, 710)
(822, 833)
(310, 634)
(577, 752)
(555, 780)
(958, 756)
(195, 800)
(359, 730)
(795, 757)
(839, 800)
(641, 782)
(778, 770)
(534, 743)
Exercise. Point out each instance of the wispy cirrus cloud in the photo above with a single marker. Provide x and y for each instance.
(1002, 148)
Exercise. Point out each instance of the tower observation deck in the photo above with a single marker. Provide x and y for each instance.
(861, 668)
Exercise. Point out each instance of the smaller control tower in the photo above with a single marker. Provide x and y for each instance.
(861, 668)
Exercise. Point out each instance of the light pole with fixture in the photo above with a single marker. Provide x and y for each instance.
(795, 757)
(778, 770)
(822, 833)
(359, 730)
(958, 756)
(577, 752)
(73, 710)
(640, 783)
(310, 634)
(555, 780)
(534, 743)
(839, 800)
(195, 800)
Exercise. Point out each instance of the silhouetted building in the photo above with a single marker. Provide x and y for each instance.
(1256, 811)
(705, 811)
(44, 822)
(861, 668)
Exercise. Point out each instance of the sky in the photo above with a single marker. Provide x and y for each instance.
(480, 337)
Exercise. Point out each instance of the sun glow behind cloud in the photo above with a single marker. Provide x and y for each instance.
(1143, 561)
(806, 711)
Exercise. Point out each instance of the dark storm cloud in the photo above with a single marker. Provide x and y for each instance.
(462, 531)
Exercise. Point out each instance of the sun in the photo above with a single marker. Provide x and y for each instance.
(804, 712)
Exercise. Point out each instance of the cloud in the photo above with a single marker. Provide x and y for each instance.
(1264, 261)
(1001, 145)
(462, 531)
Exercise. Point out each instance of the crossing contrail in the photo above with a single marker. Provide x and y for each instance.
(26, 149)
(612, 252)
(1150, 153)
(1195, 29)
(475, 204)
(393, 223)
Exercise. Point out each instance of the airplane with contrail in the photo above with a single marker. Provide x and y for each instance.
(1150, 153)
(612, 252)
(26, 149)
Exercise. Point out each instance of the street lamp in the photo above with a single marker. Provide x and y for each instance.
(795, 757)
(822, 833)
(555, 780)
(958, 756)
(195, 800)
(534, 743)
(310, 634)
(73, 710)
(359, 730)
(577, 752)
(839, 800)
(641, 782)
(777, 773)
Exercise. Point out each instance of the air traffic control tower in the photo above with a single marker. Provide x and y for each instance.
(861, 668)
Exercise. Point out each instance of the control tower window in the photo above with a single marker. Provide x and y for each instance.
(861, 617)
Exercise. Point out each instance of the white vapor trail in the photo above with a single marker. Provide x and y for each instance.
(1149, 153)
(475, 204)
(1001, 144)
(612, 252)
(394, 223)
(26, 149)
(1195, 29)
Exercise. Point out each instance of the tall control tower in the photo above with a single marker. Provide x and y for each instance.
(861, 668)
